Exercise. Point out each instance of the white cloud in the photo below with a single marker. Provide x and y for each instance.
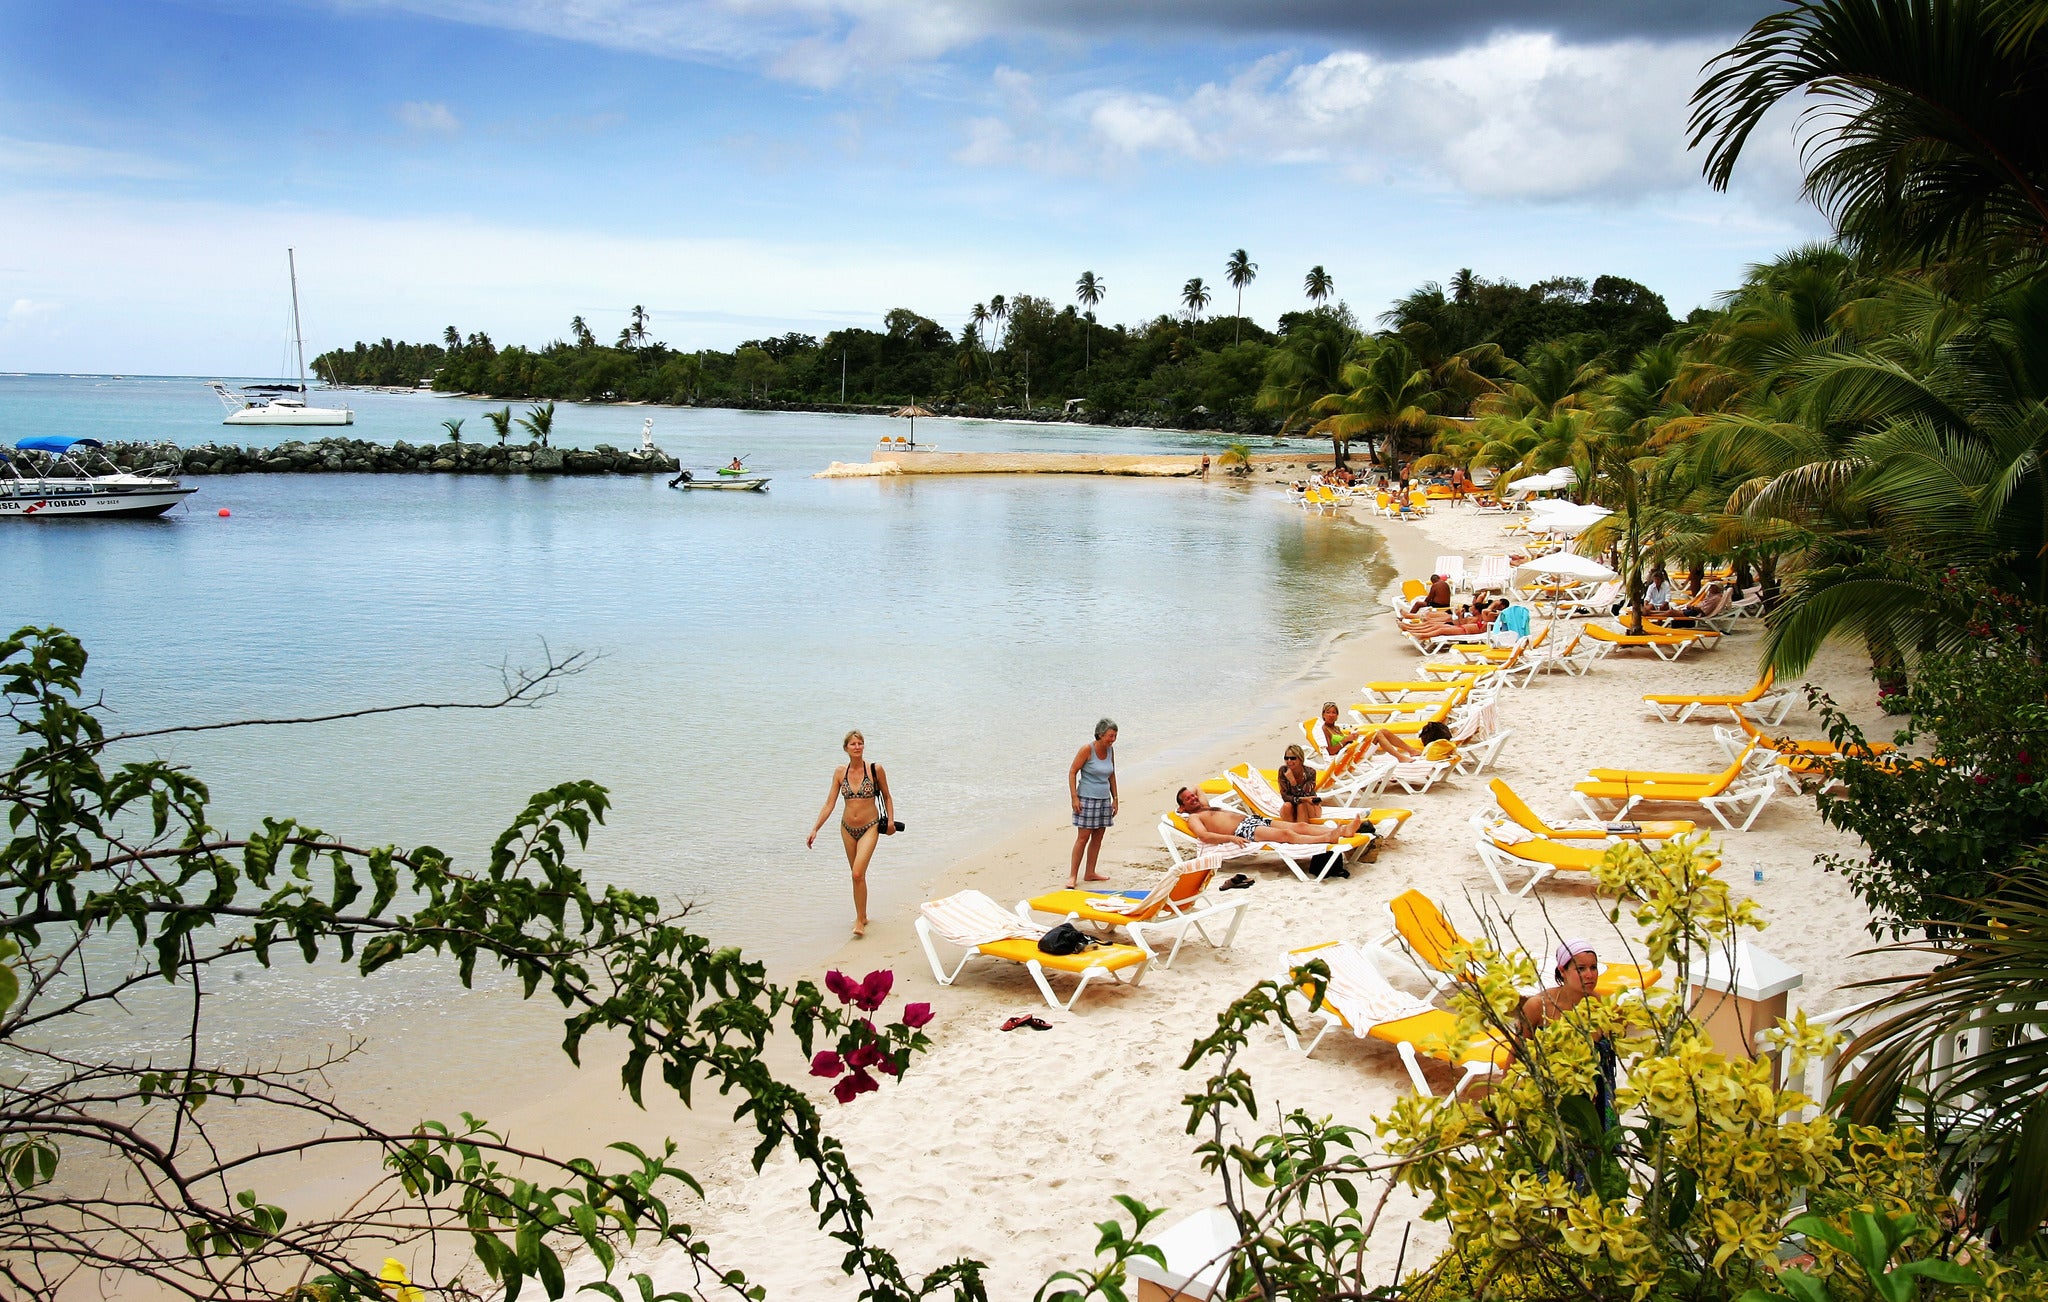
(22, 309)
(428, 116)
(1520, 117)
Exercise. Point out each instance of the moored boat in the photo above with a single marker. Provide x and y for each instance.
(280, 404)
(729, 485)
(42, 488)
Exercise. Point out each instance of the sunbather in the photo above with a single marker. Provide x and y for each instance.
(1711, 603)
(1473, 622)
(1299, 800)
(1331, 737)
(1435, 738)
(1213, 826)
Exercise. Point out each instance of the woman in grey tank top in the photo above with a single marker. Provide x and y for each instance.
(1091, 787)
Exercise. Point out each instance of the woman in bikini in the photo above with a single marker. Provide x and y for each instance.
(865, 788)
(1300, 802)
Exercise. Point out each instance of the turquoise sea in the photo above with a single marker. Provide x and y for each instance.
(974, 628)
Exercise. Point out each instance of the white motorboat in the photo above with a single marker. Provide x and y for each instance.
(280, 404)
(58, 484)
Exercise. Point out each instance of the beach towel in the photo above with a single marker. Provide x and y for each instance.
(970, 919)
(1360, 994)
(1515, 619)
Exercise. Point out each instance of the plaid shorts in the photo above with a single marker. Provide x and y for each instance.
(1095, 812)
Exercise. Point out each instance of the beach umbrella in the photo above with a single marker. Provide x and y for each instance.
(1566, 565)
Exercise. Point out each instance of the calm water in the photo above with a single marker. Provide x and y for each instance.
(974, 628)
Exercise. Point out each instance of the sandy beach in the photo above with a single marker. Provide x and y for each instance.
(1007, 1147)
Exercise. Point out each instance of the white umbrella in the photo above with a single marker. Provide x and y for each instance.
(1566, 565)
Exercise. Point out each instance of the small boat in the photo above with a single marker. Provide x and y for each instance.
(42, 492)
(734, 470)
(729, 485)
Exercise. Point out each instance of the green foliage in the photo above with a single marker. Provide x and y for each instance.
(1941, 830)
(1871, 1243)
(382, 363)
(114, 883)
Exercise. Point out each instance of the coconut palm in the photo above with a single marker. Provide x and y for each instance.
(1240, 270)
(451, 338)
(1386, 398)
(1318, 285)
(1927, 141)
(1194, 296)
(539, 421)
(638, 330)
(579, 331)
(501, 423)
(998, 312)
(1306, 367)
(454, 428)
(1088, 291)
(1936, 433)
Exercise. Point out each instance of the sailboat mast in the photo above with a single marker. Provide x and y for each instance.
(298, 335)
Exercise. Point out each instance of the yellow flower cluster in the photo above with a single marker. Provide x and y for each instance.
(1711, 1159)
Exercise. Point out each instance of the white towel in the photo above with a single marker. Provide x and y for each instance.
(970, 918)
(1360, 993)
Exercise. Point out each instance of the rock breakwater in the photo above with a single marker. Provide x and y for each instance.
(355, 456)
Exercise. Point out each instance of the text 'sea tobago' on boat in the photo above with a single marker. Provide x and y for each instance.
(55, 483)
(281, 404)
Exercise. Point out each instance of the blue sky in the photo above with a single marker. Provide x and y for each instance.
(744, 167)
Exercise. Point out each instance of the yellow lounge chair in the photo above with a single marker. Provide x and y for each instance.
(1429, 937)
(973, 922)
(1180, 902)
(1518, 812)
(1184, 848)
(1674, 707)
(1361, 1001)
(1730, 790)
(1665, 646)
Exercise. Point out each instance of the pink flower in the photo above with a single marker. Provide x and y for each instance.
(840, 984)
(827, 1064)
(1983, 779)
(916, 1015)
(862, 1056)
(888, 1067)
(873, 990)
(851, 1087)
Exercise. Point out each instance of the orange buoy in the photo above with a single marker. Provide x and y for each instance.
(223, 513)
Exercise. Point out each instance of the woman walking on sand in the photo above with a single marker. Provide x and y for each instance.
(1091, 786)
(870, 815)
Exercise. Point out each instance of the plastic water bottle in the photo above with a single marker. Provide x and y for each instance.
(1756, 871)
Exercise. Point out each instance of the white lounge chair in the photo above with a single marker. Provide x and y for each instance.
(1360, 1000)
(973, 922)
(1180, 902)
(1185, 848)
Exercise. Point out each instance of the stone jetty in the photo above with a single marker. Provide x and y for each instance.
(354, 456)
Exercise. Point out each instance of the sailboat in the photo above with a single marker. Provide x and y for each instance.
(280, 404)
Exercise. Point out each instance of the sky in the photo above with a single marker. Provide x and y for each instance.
(747, 167)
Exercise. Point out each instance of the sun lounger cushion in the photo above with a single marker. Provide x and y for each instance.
(1108, 957)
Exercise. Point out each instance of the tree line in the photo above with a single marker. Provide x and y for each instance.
(1023, 351)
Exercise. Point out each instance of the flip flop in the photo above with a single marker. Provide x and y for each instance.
(1237, 883)
(1036, 1023)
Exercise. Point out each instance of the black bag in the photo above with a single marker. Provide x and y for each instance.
(1064, 938)
(888, 825)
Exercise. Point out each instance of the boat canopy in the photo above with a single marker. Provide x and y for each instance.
(54, 443)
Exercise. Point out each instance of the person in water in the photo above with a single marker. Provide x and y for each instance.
(1091, 788)
(870, 812)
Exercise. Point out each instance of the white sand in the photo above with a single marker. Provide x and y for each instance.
(1008, 1147)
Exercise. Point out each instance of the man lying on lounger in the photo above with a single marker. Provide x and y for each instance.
(1213, 826)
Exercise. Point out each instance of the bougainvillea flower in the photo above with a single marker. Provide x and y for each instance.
(873, 990)
(827, 1064)
(916, 1015)
(850, 1087)
(842, 985)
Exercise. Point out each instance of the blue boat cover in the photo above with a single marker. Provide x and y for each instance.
(54, 443)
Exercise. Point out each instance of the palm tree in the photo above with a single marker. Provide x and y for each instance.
(998, 312)
(638, 330)
(454, 428)
(1088, 291)
(451, 338)
(1463, 285)
(1930, 143)
(977, 317)
(539, 421)
(1386, 395)
(1240, 270)
(1194, 296)
(579, 331)
(501, 423)
(1319, 285)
